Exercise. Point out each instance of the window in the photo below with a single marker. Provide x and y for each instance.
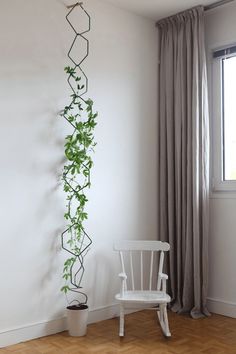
(224, 119)
(229, 117)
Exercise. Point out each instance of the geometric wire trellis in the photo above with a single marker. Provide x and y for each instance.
(77, 267)
(79, 35)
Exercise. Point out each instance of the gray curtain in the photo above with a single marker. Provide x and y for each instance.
(184, 158)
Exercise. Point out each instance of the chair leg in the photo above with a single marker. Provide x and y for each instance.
(122, 320)
(167, 330)
(163, 319)
(160, 315)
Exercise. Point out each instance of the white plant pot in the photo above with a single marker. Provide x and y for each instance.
(77, 318)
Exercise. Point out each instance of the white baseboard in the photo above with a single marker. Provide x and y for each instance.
(45, 328)
(103, 313)
(222, 307)
(32, 331)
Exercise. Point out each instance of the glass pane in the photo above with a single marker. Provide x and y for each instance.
(229, 87)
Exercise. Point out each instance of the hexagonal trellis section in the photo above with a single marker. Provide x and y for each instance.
(78, 20)
(79, 50)
(80, 86)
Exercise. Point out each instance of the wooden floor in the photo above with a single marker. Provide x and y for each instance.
(214, 335)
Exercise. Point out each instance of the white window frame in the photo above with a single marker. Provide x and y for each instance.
(218, 182)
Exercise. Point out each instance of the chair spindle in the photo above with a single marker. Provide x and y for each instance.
(123, 266)
(141, 262)
(131, 269)
(160, 270)
(151, 270)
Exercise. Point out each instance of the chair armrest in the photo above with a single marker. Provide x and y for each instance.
(123, 275)
(123, 278)
(163, 276)
(162, 281)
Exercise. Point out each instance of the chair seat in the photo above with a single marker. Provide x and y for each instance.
(144, 297)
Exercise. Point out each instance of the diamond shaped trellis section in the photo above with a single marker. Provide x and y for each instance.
(79, 20)
(71, 243)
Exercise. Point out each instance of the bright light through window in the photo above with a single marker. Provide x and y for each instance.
(229, 118)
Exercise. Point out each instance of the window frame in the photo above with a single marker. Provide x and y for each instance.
(219, 184)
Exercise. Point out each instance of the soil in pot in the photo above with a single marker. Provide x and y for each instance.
(77, 307)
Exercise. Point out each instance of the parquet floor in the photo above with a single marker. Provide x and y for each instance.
(214, 335)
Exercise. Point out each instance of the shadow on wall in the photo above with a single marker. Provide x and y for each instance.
(103, 280)
(47, 213)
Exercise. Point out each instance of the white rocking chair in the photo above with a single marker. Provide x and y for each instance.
(147, 298)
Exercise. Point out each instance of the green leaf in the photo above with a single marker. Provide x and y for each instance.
(65, 289)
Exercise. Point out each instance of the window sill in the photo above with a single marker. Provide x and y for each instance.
(222, 194)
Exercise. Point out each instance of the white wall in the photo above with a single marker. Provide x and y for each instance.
(122, 68)
(221, 30)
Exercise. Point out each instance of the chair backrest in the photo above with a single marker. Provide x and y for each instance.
(155, 251)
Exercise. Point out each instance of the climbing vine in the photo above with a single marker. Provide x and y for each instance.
(79, 146)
